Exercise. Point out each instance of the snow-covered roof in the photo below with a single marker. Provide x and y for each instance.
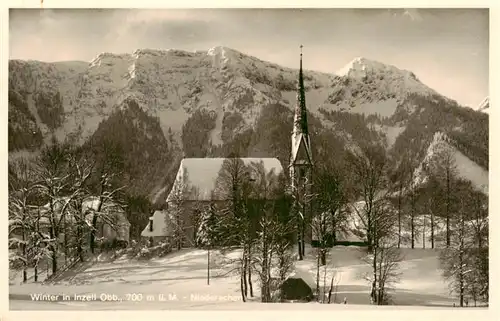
(91, 203)
(161, 227)
(200, 175)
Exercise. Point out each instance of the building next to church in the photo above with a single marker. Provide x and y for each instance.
(112, 223)
(193, 190)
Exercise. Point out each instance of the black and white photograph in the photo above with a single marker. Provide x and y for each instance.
(248, 158)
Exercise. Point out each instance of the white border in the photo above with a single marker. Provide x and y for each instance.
(351, 312)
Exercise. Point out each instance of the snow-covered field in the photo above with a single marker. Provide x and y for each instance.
(179, 281)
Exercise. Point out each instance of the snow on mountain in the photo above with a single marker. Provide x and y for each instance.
(465, 168)
(392, 78)
(484, 106)
(370, 87)
(172, 85)
(169, 84)
(39, 83)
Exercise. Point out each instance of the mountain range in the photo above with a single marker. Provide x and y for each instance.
(162, 105)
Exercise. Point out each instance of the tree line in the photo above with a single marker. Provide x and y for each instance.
(59, 199)
(393, 207)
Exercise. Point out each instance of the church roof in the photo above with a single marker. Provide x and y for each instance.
(199, 175)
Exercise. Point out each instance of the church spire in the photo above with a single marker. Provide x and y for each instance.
(301, 163)
(300, 109)
(301, 146)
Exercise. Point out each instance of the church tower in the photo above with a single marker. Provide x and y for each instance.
(301, 161)
(301, 164)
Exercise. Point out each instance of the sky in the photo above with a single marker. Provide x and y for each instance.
(447, 49)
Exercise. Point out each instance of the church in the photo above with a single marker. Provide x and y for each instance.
(193, 190)
(200, 175)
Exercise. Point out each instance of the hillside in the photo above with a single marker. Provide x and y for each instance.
(162, 105)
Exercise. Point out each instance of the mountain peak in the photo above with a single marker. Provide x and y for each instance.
(484, 106)
(396, 80)
(361, 66)
(217, 49)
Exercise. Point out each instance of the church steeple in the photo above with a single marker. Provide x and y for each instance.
(301, 144)
(300, 108)
(301, 163)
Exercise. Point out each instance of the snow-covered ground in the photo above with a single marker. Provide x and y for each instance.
(179, 281)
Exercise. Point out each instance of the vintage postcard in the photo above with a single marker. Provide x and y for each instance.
(231, 159)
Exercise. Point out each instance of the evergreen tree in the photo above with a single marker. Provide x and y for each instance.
(206, 237)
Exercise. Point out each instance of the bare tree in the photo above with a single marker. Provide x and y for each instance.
(434, 205)
(454, 259)
(235, 228)
(333, 286)
(385, 255)
(255, 220)
(443, 166)
(22, 218)
(368, 166)
(82, 168)
(283, 229)
(388, 258)
(328, 208)
(413, 209)
(479, 218)
(261, 194)
(479, 223)
(39, 240)
(106, 186)
(320, 230)
(464, 263)
(55, 184)
(283, 249)
(400, 179)
(273, 241)
(262, 260)
(327, 274)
